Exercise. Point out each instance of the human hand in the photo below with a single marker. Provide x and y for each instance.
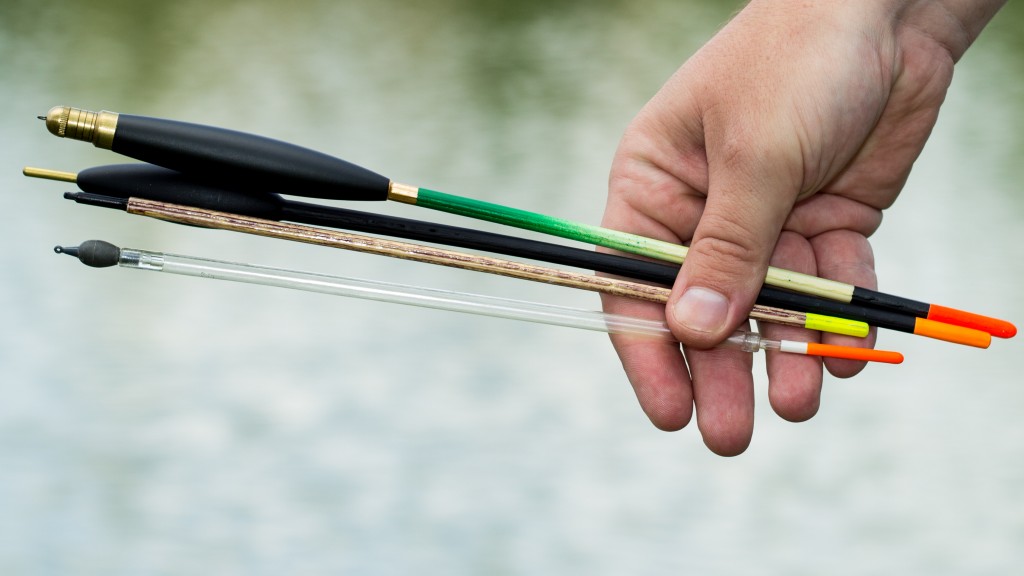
(780, 141)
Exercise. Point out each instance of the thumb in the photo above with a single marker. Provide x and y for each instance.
(749, 198)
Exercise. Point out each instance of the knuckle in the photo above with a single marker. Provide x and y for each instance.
(736, 151)
(725, 263)
(730, 241)
(724, 250)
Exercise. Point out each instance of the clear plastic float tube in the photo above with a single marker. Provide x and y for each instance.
(468, 303)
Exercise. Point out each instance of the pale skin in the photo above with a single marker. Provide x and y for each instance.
(779, 142)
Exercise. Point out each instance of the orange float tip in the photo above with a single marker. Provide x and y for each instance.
(854, 353)
(952, 333)
(993, 326)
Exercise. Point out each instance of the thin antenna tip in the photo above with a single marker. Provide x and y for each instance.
(854, 353)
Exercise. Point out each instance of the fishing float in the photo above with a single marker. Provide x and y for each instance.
(101, 254)
(204, 218)
(103, 185)
(255, 163)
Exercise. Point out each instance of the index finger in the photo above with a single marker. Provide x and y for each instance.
(655, 368)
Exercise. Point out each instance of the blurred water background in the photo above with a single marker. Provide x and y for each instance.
(152, 424)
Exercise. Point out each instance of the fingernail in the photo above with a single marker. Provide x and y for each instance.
(701, 310)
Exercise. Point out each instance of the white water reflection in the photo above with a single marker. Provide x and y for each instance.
(156, 425)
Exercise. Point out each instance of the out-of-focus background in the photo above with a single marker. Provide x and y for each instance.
(152, 424)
